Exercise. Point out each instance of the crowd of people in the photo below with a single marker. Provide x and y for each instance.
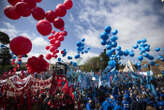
(126, 94)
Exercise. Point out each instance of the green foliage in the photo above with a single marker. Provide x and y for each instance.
(96, 63)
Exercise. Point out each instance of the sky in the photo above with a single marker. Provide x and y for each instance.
(134, 19)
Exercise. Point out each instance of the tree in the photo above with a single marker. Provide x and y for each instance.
(5, 55)
(4, 38)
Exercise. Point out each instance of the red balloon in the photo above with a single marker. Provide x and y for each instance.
(68, 4)
(23, 9)
(44, 27)
(37, 64)
(47, 47)
(13, 2)
(51, 15)
(38, 13)
(56, 51)
(64, 33)
(57, 43)
(10, 12)
(53, 32)
(62, 29)
(61, 10)
(38, 1)
(62, 52)
(58, 23)
(48, 56)
(53, 48)
(32, 3)
(57, 34)
(51, 37)
(20, 45)
(55, 56)
(61, 38)
(52, 41)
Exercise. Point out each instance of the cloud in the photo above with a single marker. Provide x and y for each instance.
(12, 31)
(134, 19)
(9, 29)
(39, 42)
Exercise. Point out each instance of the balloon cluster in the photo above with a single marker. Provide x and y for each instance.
(37, 64)
(55, 42)
(114, 52)
(144, 49)
(109, 39)
(81, 49)
(24, 8)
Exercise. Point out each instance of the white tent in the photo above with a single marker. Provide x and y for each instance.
(146, 73)
(129, 67)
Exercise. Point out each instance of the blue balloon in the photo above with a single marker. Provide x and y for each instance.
(77, 56)
(83, 40)
(112, 63)
(139, 41)
(113, 38)
(144, 40)
(103, 42)
(157, 49)
(78, 43)
(114, 44)
(79, 49)
(104, 36)
(69, 57)
(138, 64)
(126, 52)
(118, 48)
(131, 53)
(142, 45)
(145, 54)
(135, 46)
(86, 51)
(140, 58)
(74, 64)
(108, 29)
(120, 53)
(150, 57)
(88, 48)
(108, 46)
(59, 59)
(115, 32)
(109, 52)
(143, 50)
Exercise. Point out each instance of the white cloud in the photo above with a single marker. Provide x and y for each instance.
(39, 42)
(9, 29)
(12, 31)
(133, 19)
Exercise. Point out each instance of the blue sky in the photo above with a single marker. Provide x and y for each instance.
(135, 19)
